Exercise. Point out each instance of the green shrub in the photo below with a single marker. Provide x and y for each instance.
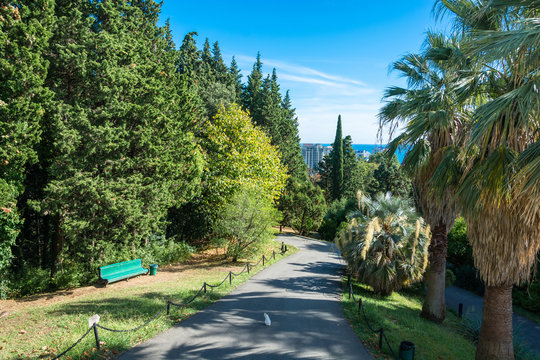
(246, 222)
(336, 214)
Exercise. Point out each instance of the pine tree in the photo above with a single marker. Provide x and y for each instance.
(220, 69)
(252, 98)
(236, 80)
(337, 163)
(189, 63)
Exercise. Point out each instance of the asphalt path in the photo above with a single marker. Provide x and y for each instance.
(300, 293)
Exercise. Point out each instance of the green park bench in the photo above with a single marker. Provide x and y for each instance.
(121, 270)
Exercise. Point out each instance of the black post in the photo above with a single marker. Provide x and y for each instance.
(359, 304)
(247, 265)
(274, 254)
(263, 260)
(204, 287)
(285, 248)
(97, 337)
(168, 308)
(460, 310)
(230, 277)
(350, 290)
(282, 246)
(381, 332)
(349, 279)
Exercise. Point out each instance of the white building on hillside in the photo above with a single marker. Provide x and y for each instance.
(313, 154)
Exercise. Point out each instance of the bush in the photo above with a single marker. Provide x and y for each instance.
(336, 214)
(246, 222)
(386, 244)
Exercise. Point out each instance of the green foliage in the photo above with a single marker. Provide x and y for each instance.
(246, 222)
(335, 216)
(357, 173)
(238, 156)
(388, 176)
(24, 34)
(306, 206)
(459, 250)
(337, 163)
(386, 244)
(121, 87)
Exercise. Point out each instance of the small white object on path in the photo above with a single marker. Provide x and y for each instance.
(267, 320)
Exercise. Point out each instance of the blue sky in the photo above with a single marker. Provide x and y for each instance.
(333, 56)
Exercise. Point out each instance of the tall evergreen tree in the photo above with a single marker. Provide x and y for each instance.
(123, 152)
(252, 97)
(337, 163)
(236, 79)
(25, 29)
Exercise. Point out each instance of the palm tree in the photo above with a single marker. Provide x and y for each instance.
(498, 192)
(385, 243)
(435, 121)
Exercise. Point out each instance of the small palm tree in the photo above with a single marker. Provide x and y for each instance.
(386, 243)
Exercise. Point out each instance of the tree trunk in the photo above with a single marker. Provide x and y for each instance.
(495, 341)
(57, 244)
(434, 307)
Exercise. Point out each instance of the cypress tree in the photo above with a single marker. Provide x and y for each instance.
(123, 151)
(25, 29)
(337, 163)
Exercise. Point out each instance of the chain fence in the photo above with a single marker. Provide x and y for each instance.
(361, 311)
(202, 291)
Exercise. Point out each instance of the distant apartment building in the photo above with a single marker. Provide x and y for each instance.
(313, 154)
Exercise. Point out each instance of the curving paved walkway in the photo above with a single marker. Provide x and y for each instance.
(301, 293)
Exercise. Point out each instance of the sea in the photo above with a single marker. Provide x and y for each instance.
(372, 148)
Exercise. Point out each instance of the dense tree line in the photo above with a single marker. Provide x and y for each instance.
(112, 137)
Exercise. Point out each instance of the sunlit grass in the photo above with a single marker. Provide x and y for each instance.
(399, 316)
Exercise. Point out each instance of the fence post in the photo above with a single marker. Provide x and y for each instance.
(230, 277)
(282, 246)
(460, 310)
(359, 304)
(97, 337)
(381, 332)
(204, 287)
(263, 260)
(168, 308)
(247, 265)
(274, 254)
(350, 290)
(349, 279)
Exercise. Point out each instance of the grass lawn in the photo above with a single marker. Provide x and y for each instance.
(398, 315)
(45, 325)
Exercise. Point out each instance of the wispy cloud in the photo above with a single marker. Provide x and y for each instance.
(300, 73)
(319, 97)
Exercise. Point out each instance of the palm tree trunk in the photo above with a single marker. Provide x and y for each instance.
(434, 307)
(495, 341)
